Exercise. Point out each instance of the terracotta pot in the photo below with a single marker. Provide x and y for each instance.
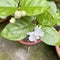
(58, 50)
(29, 43)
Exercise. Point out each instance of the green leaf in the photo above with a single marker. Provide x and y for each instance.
(18, 30)
(51, 36)
(34, 7)
(53, 9)
(46, 19)
(8, 7)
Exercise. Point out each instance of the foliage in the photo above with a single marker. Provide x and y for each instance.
(38, 12)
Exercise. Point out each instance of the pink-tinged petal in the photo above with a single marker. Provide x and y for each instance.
(32, 38)
(38, 32)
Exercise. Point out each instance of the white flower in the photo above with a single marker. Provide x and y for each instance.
(30, 33)
(38, 31)
(17, 14)
(32, 36)
(36, 34)
(12, 20)
(23, 13)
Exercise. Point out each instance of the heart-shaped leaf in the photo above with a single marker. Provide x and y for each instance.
(53, 9)
(46, 19)
(18, 30)
(34, 7)
(51, 36)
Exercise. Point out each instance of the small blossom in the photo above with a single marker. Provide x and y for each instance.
(38, 31)
(17, 14)
(32, 38)
(30, 33)
(23, 13)
(36, 34)
(12, 20)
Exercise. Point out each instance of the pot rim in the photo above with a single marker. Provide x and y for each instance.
(29, 43)
(58, 50)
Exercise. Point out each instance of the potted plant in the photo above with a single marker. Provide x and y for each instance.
(31, 21)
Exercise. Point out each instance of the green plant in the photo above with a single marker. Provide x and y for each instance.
(26, 14)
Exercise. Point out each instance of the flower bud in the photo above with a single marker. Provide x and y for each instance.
(23, 13)
(17, 14)
(12, 20)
